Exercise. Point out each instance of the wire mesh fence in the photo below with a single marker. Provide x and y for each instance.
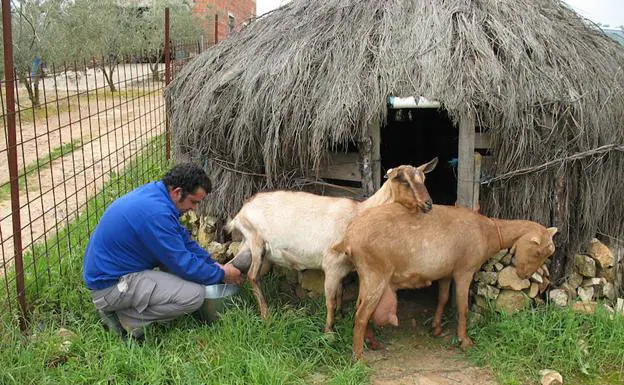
(91, 135)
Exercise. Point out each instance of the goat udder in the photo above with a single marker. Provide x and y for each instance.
(385, 312)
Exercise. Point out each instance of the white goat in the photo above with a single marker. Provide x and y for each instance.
(298, 229)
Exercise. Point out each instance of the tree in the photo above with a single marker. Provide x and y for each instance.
(184, 27)
(100, 29)
(55, 31)
(33, 25)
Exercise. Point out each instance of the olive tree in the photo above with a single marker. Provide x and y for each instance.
(100, 29)
(184, 28)
(34, 38)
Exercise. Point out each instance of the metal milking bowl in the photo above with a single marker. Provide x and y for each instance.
(216, 301)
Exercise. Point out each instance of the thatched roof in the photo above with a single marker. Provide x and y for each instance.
(265, 105)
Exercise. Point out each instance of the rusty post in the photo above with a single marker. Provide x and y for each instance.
(9, 75)
(167, 81)
(216, 28)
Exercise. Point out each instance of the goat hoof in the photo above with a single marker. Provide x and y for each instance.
(357, 357)
(330, 336)
(466, 344)
(437, 332)
(374, 344)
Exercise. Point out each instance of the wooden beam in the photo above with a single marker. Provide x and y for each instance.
(370, 158)
(365, 145)
(342, 166)
(482, 140)
(375, 133)
(465, 168)
(477, 182)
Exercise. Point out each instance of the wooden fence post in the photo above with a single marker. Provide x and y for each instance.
(466, 166)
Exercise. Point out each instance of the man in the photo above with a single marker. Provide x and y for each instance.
(140, 231)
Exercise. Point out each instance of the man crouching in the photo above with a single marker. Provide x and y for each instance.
(140, 231)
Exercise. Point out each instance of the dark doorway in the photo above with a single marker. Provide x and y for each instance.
(417, 135)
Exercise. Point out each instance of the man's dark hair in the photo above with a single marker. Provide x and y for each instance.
(189, 176)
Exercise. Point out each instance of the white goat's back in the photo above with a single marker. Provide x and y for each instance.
(297, 227)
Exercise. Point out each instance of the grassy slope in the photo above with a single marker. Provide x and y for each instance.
(240, 349)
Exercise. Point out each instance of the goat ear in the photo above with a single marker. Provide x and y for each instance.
(429, 166)
(535, 239)
(552, 231)
(391, 173)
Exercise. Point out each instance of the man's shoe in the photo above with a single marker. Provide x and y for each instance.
(111, 323)
(137, 335)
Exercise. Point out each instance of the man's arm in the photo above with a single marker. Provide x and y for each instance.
(232, 274)
(163, 238)
(195, 248)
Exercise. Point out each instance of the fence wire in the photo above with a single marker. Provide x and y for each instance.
(75, 148)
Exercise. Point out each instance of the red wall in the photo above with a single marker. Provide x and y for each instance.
(206, 10)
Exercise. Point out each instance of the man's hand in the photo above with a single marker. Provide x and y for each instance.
(232, 274)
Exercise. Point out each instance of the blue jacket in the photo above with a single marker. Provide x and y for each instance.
(142, 230)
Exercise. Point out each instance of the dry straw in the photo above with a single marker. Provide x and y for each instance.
(264, 106)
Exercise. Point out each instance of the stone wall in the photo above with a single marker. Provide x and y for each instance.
(591, 279)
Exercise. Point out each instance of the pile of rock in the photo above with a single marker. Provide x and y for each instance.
(203, 231)
(592, 279)
(498, 283)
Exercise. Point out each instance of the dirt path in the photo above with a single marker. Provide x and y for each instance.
(58, 193)
(39, 137)
(414, 357)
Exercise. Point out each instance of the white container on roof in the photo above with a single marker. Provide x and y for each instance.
(395, 102)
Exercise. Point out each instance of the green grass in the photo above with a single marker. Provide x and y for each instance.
(41, 163)
(240, 348)
(288, 348)
(584, 348)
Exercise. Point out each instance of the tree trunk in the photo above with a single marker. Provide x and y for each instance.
(32, 88)
(36, 101)
(108, 68)
(109, 78)
(154, 66)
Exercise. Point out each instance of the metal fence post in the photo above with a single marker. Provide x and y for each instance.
(216, 41)
(167, 81)
(9, 74)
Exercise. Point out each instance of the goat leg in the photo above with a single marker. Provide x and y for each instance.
(369, 338)
(444, 286)
(256, 245)
(462, 286)
(335, 267)
(368, 301)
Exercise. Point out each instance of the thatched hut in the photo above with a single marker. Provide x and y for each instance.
(303, 97)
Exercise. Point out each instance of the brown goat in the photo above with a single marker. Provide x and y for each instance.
(298, 229)
(393, 248)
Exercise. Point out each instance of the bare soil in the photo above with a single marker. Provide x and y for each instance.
(57, 193)
(412, 356)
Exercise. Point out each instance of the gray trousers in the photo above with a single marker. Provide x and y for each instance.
(141, 298)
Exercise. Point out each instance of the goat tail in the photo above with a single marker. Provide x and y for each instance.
(342, 248)
(231, 225)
